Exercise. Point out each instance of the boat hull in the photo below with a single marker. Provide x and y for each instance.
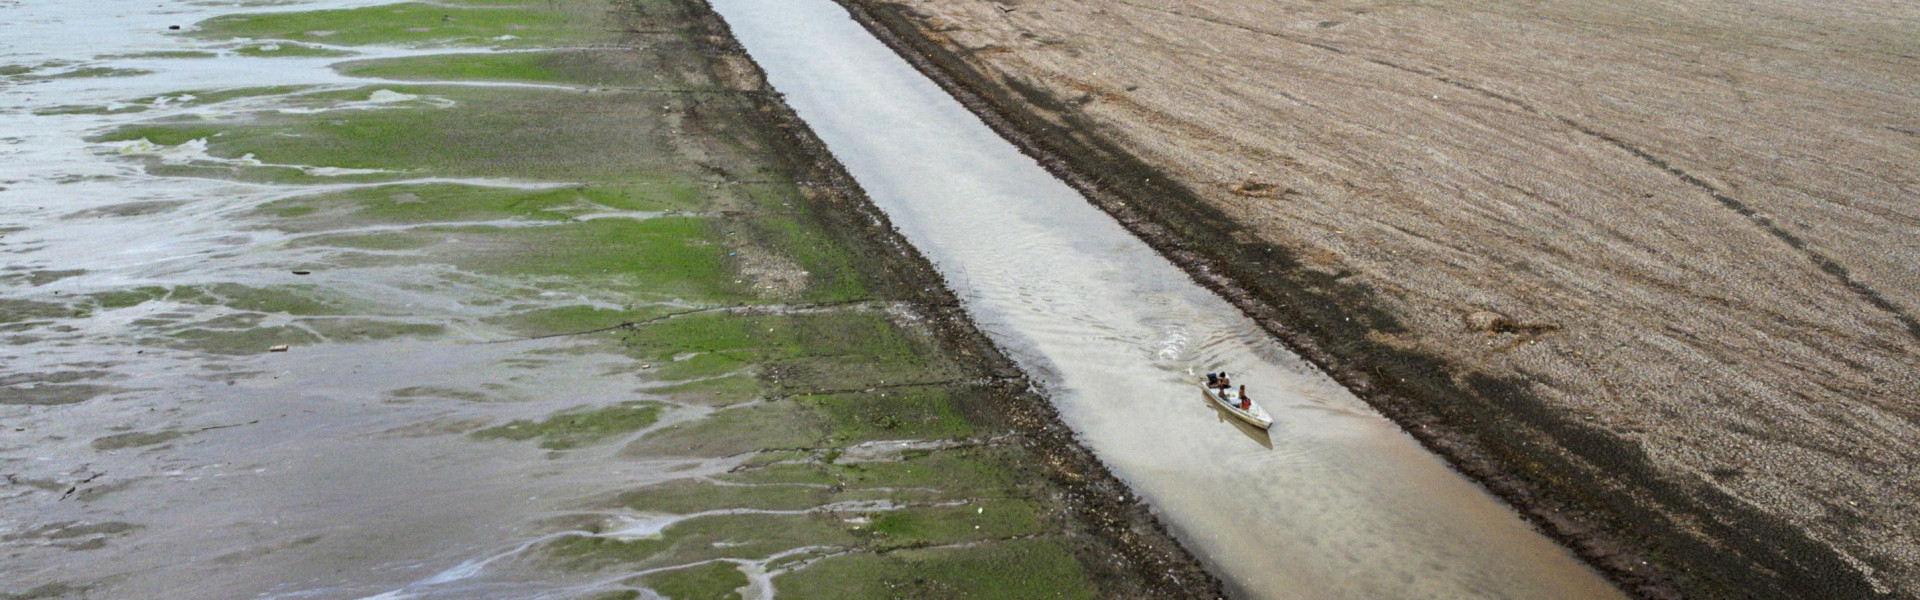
(1255, 416)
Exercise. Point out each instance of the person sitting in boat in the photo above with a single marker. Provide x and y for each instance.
(1213, 380)
(1245, 403)
(1223, 383)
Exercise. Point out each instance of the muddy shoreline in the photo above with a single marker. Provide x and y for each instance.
(1655, 537)
(1133, 542)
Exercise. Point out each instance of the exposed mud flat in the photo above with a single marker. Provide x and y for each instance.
(1646, 271)
(350, 299)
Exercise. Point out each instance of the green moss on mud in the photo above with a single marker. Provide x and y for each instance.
(1010, 570)
(451, 202)
(684, 497)
(289, 50)
(908, 413)
(14, 310)
(568, 319)
(743, 536)
(653, 259)
(418, 24)
(595, 68)
(87, 73)
(83, 109)
(930, 525)
(612, 137)
(124, 298)
(716, 391)
(934, 475)
(711, 581)
(239, 339)
(766, 426)
(301, 300)
(295, 300)
(850, 348)
(579, 427)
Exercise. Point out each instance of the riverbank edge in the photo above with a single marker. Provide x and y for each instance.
(1652, 534)
(1134, 543)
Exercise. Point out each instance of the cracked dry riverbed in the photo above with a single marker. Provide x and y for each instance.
(478, 299)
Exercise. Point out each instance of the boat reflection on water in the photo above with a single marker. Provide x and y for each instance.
(1264, 437)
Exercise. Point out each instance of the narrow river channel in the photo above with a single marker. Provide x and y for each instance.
(1335, 503)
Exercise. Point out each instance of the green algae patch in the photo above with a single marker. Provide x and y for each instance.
(982, 471)
(87, 73)
(171, 133)
(711, 581)
(292, 300)
(135, 439)
(52, 394)
(578, 428)
(732, 388)
(128, 297)
(670, 255)
(740, 536)
(454, 131)
(568, 319)
(51, 388)
(686, 496)
(239, 339)
(416, 24)
(939, 477)
(683, 497)
(39, 277)
(912, 413)
(303, 300)
(930, 525)
(653, 259)
(290, 50)
(83, 109)
(806, 351)
(453, 202)
(176, 99)
(763, 426)
(14, 310)
(594, 68)
(1010, 570)
(943, 475)
(348, 330)
(830, 271)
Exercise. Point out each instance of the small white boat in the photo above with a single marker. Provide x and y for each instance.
(1229, 399)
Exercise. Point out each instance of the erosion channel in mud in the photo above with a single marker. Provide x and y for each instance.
(1334, 502)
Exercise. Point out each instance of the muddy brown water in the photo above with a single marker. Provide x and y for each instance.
(1334, 502)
